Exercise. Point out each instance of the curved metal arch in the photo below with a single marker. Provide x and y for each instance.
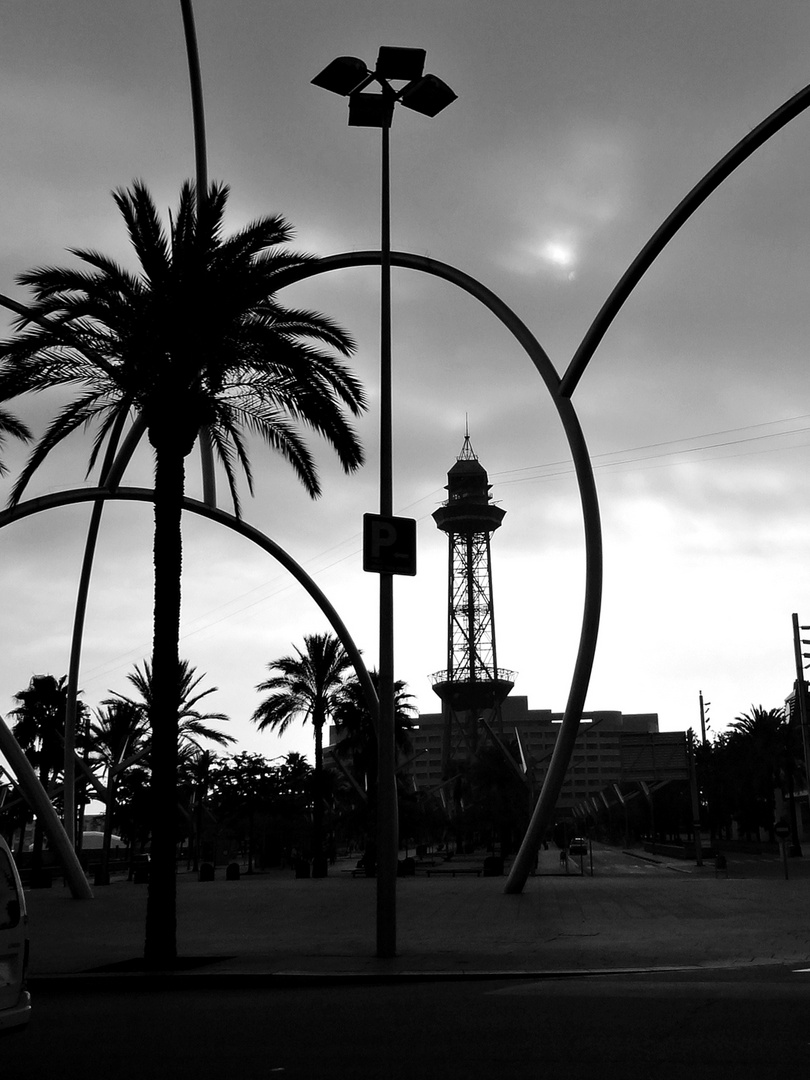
(739, 153)
(583, 666)
(100, 495)
(408, 261)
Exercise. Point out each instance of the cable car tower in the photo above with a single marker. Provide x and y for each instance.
(472, 683)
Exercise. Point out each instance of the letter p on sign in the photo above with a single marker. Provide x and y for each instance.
(389, 545)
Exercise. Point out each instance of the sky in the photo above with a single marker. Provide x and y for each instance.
(579, 125)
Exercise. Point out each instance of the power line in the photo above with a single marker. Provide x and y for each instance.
(565, 468)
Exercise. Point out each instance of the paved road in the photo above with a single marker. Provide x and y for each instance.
(633, 912)
(712, 1024)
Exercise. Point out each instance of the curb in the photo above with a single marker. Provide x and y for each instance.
(178, 980)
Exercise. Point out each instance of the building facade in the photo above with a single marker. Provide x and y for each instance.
(612, 747)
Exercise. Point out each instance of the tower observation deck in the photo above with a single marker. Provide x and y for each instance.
(472, 680)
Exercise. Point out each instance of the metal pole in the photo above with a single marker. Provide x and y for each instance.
(563, 749)
(801, 695)
(197, 107)
(201, 170)
(695, 800)
(702, 718)
(387, 824)
(37, 799)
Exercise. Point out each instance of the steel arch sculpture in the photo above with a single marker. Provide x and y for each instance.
(561, 390)
(584, 473)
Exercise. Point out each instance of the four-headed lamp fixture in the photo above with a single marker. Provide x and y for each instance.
(349, 77)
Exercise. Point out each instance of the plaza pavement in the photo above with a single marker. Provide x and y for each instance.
(635, 912)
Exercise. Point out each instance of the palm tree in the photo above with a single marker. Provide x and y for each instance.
(39, 728)
(764, 739)
(357, 739)
(118, 737)
(192, 725)
(357, 746)
(307, 686)
(193, 343)
(197, 774)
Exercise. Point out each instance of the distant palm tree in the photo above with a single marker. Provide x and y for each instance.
(357, 746)
(357, 739)
(308, 686)
(764, 736)
(39, 729)
(197, 774)
(193, 725)
(118, 739)
(194, 343)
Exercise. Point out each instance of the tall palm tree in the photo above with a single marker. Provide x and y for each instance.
(307, 686)
(194, 342)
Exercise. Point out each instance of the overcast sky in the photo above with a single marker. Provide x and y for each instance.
(579, 125)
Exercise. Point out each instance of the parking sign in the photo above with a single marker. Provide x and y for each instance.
(389, 545)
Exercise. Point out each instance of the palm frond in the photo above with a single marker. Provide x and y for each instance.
(10, 425)
(73, 416)
(145, 231)
(198, 333)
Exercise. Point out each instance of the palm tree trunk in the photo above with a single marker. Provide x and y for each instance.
(103, 873)
(319, 867)
(160, 946)
(37, 873)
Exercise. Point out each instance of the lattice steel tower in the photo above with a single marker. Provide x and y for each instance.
(472, 684)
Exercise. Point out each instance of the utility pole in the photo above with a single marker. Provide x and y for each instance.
(695, 799)
(702, 717)
(801, 692)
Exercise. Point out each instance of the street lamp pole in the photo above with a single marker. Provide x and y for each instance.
(349, 77)
(387, 808)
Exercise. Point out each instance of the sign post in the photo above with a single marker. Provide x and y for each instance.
(782, 830)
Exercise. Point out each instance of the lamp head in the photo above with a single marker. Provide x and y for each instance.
(371, 110)
(343, 75)
(395, 63)
(427, 95)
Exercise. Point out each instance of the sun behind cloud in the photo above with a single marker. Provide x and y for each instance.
(561, 254)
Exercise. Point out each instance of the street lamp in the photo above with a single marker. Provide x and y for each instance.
(349, 77)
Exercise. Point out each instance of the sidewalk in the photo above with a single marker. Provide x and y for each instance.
(633, 913)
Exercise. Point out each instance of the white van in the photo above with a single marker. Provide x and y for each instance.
(15, 1001)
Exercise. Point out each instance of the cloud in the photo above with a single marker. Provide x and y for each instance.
(562, 196)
